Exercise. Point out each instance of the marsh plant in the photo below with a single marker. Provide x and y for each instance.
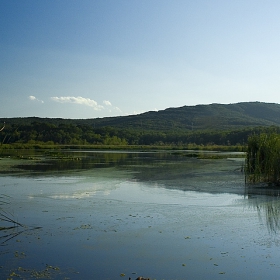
(263, 159)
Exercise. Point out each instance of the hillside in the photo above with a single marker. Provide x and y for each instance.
(201, 125)
(193, 118)
(200, 117)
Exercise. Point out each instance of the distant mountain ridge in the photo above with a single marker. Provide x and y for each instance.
(213, 116)
(199, 117)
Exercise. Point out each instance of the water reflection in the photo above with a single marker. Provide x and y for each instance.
(39, 161)
(74, 161)
(172, 170)
(184, 170)
(12, 232)
(266, 200)
(155, 211)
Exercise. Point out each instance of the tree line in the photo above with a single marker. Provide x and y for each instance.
(83, 134)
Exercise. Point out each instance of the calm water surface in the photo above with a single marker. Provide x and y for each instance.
(115, 215)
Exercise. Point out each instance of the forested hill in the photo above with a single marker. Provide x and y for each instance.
(199, 117)
(202, 125)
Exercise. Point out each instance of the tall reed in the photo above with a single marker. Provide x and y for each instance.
(263, 159)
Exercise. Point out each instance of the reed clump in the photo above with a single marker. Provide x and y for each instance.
(263, 159)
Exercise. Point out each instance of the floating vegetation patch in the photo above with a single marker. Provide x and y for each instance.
(192, 155)
(49, 272)
(84, 227)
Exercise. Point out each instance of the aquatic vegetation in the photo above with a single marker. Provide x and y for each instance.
(49, 272)
(263, 159)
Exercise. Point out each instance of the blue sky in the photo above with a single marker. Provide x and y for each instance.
(90, 59)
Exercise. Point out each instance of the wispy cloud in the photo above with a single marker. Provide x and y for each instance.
(107, 103)
(78, 100)
(111, 108)
(108, 107)
(33, 98)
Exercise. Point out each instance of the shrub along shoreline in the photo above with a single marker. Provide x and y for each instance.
(19, 146)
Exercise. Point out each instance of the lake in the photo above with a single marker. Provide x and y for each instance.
(122, 214)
